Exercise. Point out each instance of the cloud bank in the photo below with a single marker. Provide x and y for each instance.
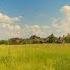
(9, 26)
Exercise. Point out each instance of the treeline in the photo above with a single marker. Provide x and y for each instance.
(37, 40)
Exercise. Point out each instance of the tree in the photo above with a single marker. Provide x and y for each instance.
(51, 39)
(60, 40)
(67, 38)
(15, 41)
(3, 42)
(35, 39)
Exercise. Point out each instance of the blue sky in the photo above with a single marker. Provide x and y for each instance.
(22, 18)
(34, 11)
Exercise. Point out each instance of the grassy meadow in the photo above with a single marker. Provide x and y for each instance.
(35, 57)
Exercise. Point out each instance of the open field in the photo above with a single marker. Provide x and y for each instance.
(35, 57)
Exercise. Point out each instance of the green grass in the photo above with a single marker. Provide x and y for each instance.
(35, 57)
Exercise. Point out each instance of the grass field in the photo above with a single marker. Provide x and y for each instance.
(35, 57)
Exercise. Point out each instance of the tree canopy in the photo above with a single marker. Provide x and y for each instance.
(37, 40)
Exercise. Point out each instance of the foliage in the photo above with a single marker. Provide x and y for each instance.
(37, 40)
(51, 39)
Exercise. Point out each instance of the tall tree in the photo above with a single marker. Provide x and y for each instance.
(51, 39)
(67, 38)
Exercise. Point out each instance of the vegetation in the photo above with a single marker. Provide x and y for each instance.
(35, 57)
(37, 40)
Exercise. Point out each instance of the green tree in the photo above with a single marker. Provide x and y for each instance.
(14, 41)
(51, 39)
(35, 39)
(67, 38)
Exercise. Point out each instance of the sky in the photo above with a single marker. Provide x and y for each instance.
(23, 18)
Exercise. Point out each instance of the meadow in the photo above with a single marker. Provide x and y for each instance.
(35, 57)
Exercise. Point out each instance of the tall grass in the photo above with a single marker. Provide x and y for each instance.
(35, 57)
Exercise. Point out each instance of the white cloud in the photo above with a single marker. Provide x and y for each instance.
(9, 20)
(59, 26)
(66, 10)
(38, 30)
(9, 25)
